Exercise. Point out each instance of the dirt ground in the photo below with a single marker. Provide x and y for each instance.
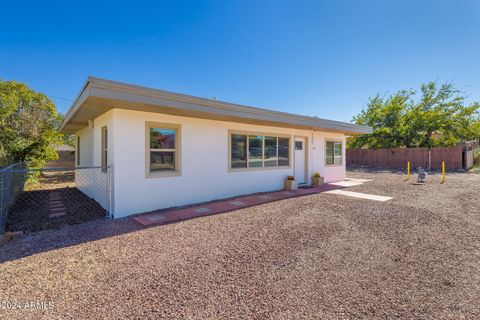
(321, 256)
(31, 210)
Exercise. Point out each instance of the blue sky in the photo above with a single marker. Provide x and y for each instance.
(323, 58)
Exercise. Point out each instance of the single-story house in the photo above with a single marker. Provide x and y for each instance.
(167, 149)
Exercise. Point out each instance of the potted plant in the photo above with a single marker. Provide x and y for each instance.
(290, 183)
(317, 179)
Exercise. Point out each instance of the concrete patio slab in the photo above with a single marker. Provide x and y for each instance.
(346, 183)
(360, 195)
(349, 182)
(358, 180)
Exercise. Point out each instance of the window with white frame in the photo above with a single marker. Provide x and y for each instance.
(163, 148)
(333, 153)
(258, 151)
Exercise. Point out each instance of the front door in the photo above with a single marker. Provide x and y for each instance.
(299, 169)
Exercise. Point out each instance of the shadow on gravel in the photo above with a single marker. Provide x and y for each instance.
(75, 234)
(374, 170)
(31, 211)
(66, 236)
(396, 171)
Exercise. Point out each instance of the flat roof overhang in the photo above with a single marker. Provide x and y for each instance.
(99, 96)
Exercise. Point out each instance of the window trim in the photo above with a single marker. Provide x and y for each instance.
(104, 148)
(178, 150)
(78, 151)
(264, 134)
(343, 153)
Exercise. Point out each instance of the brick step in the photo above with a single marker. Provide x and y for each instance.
(56, 215)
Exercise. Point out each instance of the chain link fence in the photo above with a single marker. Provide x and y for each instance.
(12, 180)
(39, 199)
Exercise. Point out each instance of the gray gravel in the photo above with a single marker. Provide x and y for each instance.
(320, 256)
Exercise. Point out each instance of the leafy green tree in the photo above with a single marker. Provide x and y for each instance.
(436, 116)
(66, 138)
(476, 129)
(387, 118)
(28, 125)
(69, 139)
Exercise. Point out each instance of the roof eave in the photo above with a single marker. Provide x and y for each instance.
(76, 104)
(107, 89)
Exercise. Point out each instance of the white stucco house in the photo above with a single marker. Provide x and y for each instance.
(168, 149)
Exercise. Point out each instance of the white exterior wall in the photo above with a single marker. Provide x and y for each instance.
(204, 157)
(331, 173)
(93, 181)
(86, 148)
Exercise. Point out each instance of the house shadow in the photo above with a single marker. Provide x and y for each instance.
(42, 209)
(64, 236)
(371, 170)
(48, 219)
(74, 232)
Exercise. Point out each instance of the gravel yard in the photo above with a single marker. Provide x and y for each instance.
(320, 256)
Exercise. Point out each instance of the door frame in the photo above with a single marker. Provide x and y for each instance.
(305, 149)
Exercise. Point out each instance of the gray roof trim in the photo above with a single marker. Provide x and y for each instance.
(123, 91)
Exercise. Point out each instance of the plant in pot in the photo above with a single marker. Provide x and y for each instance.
(290, 183)
(317, 179)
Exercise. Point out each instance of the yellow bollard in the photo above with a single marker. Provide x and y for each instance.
(408, 170)
(443, 172)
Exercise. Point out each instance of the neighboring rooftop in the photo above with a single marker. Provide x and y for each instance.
(63, 147)
(100, 95)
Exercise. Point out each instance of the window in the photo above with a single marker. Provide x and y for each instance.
(104, 149)
(239, 151)
(298, 145)
(333, 153)
(258, 151)
(271, 152)
(255, 151)
(163, 149)
(78, 151)
(283, 154)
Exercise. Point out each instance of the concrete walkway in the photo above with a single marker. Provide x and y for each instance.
(360, 195)
(204, 209)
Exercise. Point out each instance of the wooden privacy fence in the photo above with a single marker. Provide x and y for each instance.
(398, 157)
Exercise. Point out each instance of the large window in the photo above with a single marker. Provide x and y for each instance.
(163, 148)
(333, 153)
(258, 151)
